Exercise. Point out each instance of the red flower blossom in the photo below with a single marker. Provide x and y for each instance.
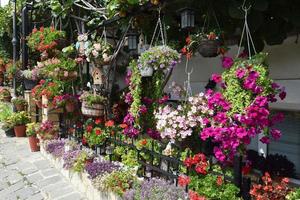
(98, 132)
(98, 121)
(183, 180)
(89, 128)
(219, 180)
(188, 40)
(195, 196)
(123, 126)
(83, 141)
(110, 123)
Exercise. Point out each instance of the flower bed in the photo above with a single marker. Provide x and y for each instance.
(102, 179)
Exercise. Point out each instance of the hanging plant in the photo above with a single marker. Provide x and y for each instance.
(157, 58)
(92, 104)
(100, 52)
(241, 109)
(44, 39)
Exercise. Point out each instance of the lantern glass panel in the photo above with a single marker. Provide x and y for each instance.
(132, 42)
(187, 18)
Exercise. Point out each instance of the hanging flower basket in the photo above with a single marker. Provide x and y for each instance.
(146, 71)
(29, 84)
(95, 110)
(209, 48)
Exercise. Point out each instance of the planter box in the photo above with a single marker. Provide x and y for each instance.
(79, 180)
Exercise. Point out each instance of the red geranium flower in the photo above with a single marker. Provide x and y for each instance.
(183, 180)
(89, 129)
(98, 132)
(219, 180)
(98, 121)
(110, 123)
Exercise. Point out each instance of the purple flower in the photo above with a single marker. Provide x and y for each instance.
(265, 140)
(95, 169)
(128, 77)
(128, 98)
(143, 109)
(219, 154)
(240, 73)
(153, 134)
(156, 189)
(276, 134)
(56, 147)
(131, 132)
(216, 78)
(282, 95)
(227, 62)
(128, 119)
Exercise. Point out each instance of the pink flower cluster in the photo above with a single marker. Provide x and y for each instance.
(180, 122)
(233, 133)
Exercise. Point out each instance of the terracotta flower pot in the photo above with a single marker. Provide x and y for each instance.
(70, 106)
(20, 131)
(20, 107)
(7, 98)
(34, 143)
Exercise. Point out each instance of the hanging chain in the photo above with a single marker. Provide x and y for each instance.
(187, 83)
(246, 30)
(161, 30)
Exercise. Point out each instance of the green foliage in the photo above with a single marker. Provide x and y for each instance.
(5, 112)
(207, 186)
(136, 91)
(44, 38)
(80, 161)
(19, 101)
(96, 137)
(295, 195)
(235, 93)
(20, 118)
(128, 156)
(91, 99)
(32, 129)
(119, 181)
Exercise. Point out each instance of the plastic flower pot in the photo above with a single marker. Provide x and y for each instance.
(20, 131)
(146, 71)
(209, 48)
(10, 132)
(34, 143)
(29, 84)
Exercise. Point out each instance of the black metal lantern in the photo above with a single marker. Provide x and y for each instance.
(132, 36)
(187, 18)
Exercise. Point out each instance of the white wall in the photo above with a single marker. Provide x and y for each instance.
(284, 62)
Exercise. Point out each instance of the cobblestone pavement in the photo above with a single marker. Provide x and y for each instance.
(28, 175)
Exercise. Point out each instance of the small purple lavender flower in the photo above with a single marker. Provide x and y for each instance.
(156, 189)
(95, 169)
(56, 147)
(70, 158)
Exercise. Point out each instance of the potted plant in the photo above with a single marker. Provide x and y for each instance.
(5, 112)
(95, 133)
(19, 120)
(5, 95)
(207, 44)
(48, 130)
(92, 104)
(157, 58)
(69, 102)
(44, 39)
(99, 52)
(48, 89)
(59, 69)
(30, 78)
(31, 132)
(19, 103)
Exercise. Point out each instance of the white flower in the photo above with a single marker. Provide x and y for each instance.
(95, 53)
